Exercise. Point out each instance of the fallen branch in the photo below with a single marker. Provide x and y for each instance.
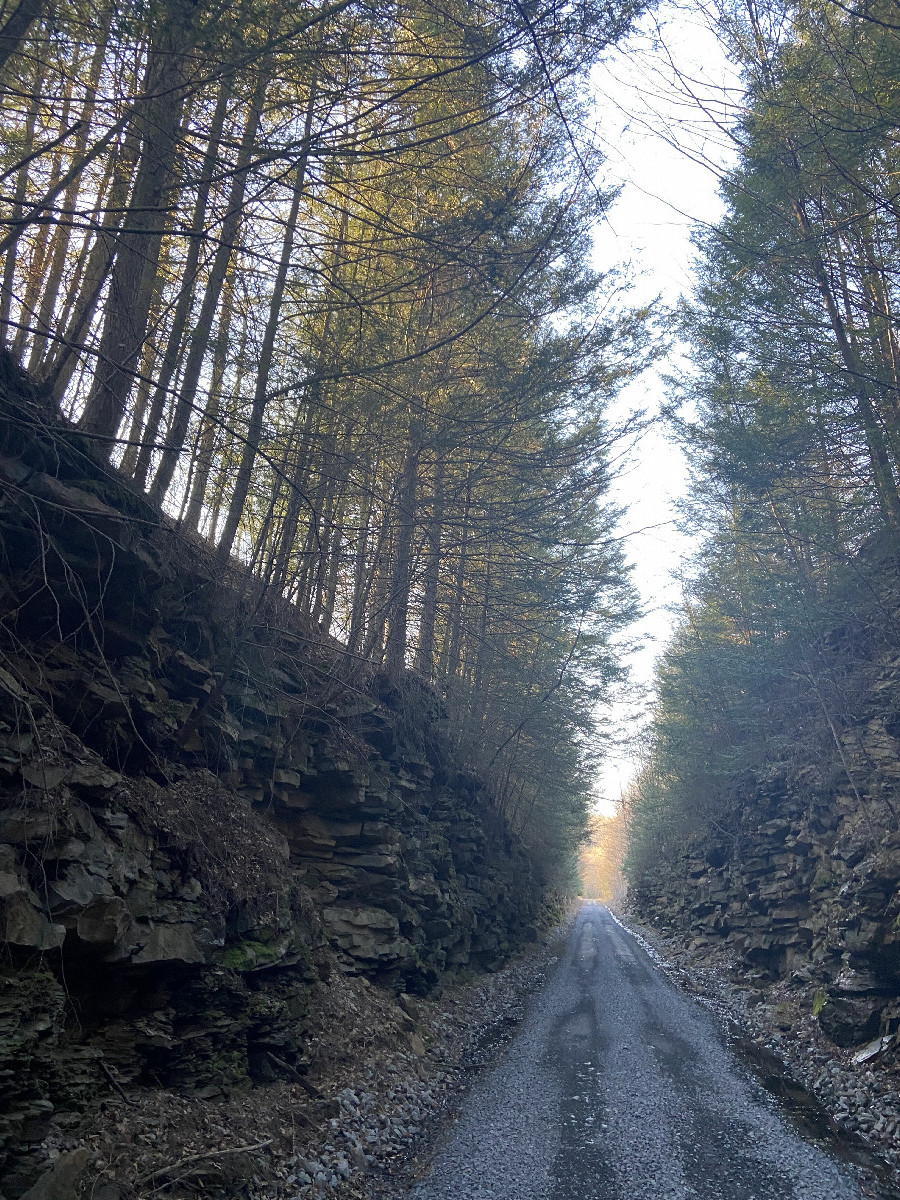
(309, 1088)
(160, 1172)
(112, 1079)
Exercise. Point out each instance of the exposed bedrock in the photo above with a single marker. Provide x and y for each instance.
(204, 808)
(806, 885)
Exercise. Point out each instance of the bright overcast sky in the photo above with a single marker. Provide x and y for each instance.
(643, 110)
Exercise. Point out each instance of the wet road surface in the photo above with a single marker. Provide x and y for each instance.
(618, 1087)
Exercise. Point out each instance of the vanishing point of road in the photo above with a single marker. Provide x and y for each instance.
(617, 1087)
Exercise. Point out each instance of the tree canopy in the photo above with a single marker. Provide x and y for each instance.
(316, 279)
(789, 414)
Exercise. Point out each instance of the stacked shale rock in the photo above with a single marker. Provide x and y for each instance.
(203, 805)
(807, 885)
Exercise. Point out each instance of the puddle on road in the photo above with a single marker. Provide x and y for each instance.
(484, 1049)
(810, 1118)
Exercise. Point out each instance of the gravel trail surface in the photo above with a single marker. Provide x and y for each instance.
(620, 1088)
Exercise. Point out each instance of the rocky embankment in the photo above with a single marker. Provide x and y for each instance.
(206, 812)
(385, 1074)
(807, 889)
(794, 901)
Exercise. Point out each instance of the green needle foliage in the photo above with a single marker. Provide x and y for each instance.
(314, 277)
(789, 415)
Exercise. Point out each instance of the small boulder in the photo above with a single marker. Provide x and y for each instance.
(849, 1021)
(60, 1182)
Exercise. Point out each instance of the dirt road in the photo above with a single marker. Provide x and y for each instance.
(618, 1087)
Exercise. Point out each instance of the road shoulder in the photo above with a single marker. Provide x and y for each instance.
(850, 1109)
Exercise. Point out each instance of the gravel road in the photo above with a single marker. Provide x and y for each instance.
(619, 1088)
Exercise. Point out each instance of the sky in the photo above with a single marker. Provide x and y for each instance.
(658, 143)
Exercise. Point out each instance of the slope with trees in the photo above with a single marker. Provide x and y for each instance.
(314, 279)
(765, 811)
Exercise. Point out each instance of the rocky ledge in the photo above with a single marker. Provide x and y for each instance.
(207, 812)
(383, 1077)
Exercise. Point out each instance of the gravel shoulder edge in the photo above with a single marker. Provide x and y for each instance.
(851, 1109)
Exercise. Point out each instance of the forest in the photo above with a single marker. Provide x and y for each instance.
(316, 279)
(789, 412)
(318, 389)
(319, 285)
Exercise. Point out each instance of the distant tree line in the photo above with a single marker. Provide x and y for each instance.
(315, 277)
(600, 862)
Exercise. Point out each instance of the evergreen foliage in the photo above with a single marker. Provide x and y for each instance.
(789, 414)
(314, 278)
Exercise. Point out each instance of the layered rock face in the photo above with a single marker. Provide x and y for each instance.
(807, 883)
(203, 807)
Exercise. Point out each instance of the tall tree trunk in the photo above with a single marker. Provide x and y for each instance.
(141, 401)
(315, 498)
(15, 30)
(297, 497)
(296, 466)
(198, 340)
(478, 696)
(378, 588)
(266, 354)
(330, 582)
(62, 235)
(145, 382)
(398, 611)
(223, 475)
(87, 287)
(82, 258)
(361, 576)
(206, 434)
(137, 254)
(453, 637)
(17, 208)
(316, 580)
(424, 661)
(37, 270)
(175, 341)
(881, 322)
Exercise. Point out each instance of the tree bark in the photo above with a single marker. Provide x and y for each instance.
(136, 261)
(15, 30)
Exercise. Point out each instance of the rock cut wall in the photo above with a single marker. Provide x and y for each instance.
(806, 885)
(204, 805)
